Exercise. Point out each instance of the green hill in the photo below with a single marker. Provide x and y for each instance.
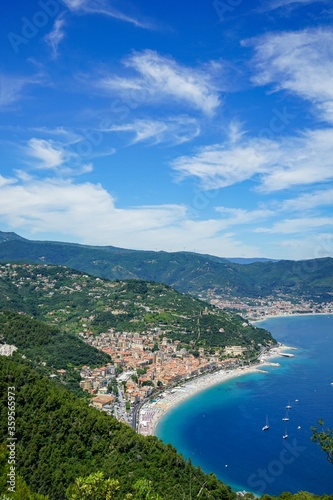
(185, 271)
(78, 303)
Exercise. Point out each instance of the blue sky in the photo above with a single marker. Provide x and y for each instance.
(199, 126)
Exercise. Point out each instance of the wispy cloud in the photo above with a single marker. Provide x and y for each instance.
(104, 8)
(13, 88)
(297, 225)
(160, 78)
(273, 164)
(298, 62)
(48, 155)
(276, 4)
(173, 130)
(57, 34)
(307, 201)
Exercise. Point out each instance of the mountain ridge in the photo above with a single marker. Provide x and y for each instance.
(185, 271)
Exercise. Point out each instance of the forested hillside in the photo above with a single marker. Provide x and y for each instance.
(77, 303)
(185, 271)
(60, 438)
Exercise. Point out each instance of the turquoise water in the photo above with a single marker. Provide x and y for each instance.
(220, 428)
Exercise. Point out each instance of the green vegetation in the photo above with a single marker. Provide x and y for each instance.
(79, 303)
(185, 271)
(324, 437)
(48, 349)
(60, 438)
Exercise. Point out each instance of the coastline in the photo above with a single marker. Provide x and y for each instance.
(152, 411)
(272, 316)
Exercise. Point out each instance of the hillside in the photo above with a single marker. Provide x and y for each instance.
(60, 438)
(80, 303)
(185, 271)
(48, 349)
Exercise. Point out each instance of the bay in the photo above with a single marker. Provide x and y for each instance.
(220, 429)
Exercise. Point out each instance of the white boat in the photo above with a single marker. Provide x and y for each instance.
(288, 407)
(266, 426)
(285, 435)
(286, 418)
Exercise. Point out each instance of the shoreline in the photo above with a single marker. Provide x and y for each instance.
(272, 316)
(153, 411)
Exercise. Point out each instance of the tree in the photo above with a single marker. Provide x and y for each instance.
(324, 437)
(93, 487)
(144, 491)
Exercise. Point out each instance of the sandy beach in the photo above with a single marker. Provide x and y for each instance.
(152, 411)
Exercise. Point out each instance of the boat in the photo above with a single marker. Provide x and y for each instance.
(286, 418)
(288, 407)
(285, 435)
(266, 426)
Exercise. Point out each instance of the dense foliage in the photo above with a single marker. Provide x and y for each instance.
(48, 349)
(78, 302)
(185, 271)
(324, 437)
(60, 438)
(45, 343)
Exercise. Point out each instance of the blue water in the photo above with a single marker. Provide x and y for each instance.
(220, 428)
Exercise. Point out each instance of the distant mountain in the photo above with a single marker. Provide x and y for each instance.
(185, 271)
(10, 237)
(242, 260)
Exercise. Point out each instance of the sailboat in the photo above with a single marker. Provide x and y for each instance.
(285, 435)
(266, 426)
(288, 407)
(286, 418)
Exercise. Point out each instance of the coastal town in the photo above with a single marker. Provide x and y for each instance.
(142, 366)
(148, 369)
(257, 309)
(149, 376)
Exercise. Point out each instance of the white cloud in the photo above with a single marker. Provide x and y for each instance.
(306, 160)
(104, 8)
(51, 155)
(57, 34)
(307, 201)
(299, 62)
(160, 78)
(222, 165)
(173, 130)
(6, 181)
(59, 207)
(274, 164)
(12, 88)
(46, 153)
(297, 225)
(239, 216)
(276, 4)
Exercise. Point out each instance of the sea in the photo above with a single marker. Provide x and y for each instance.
(220, 429)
